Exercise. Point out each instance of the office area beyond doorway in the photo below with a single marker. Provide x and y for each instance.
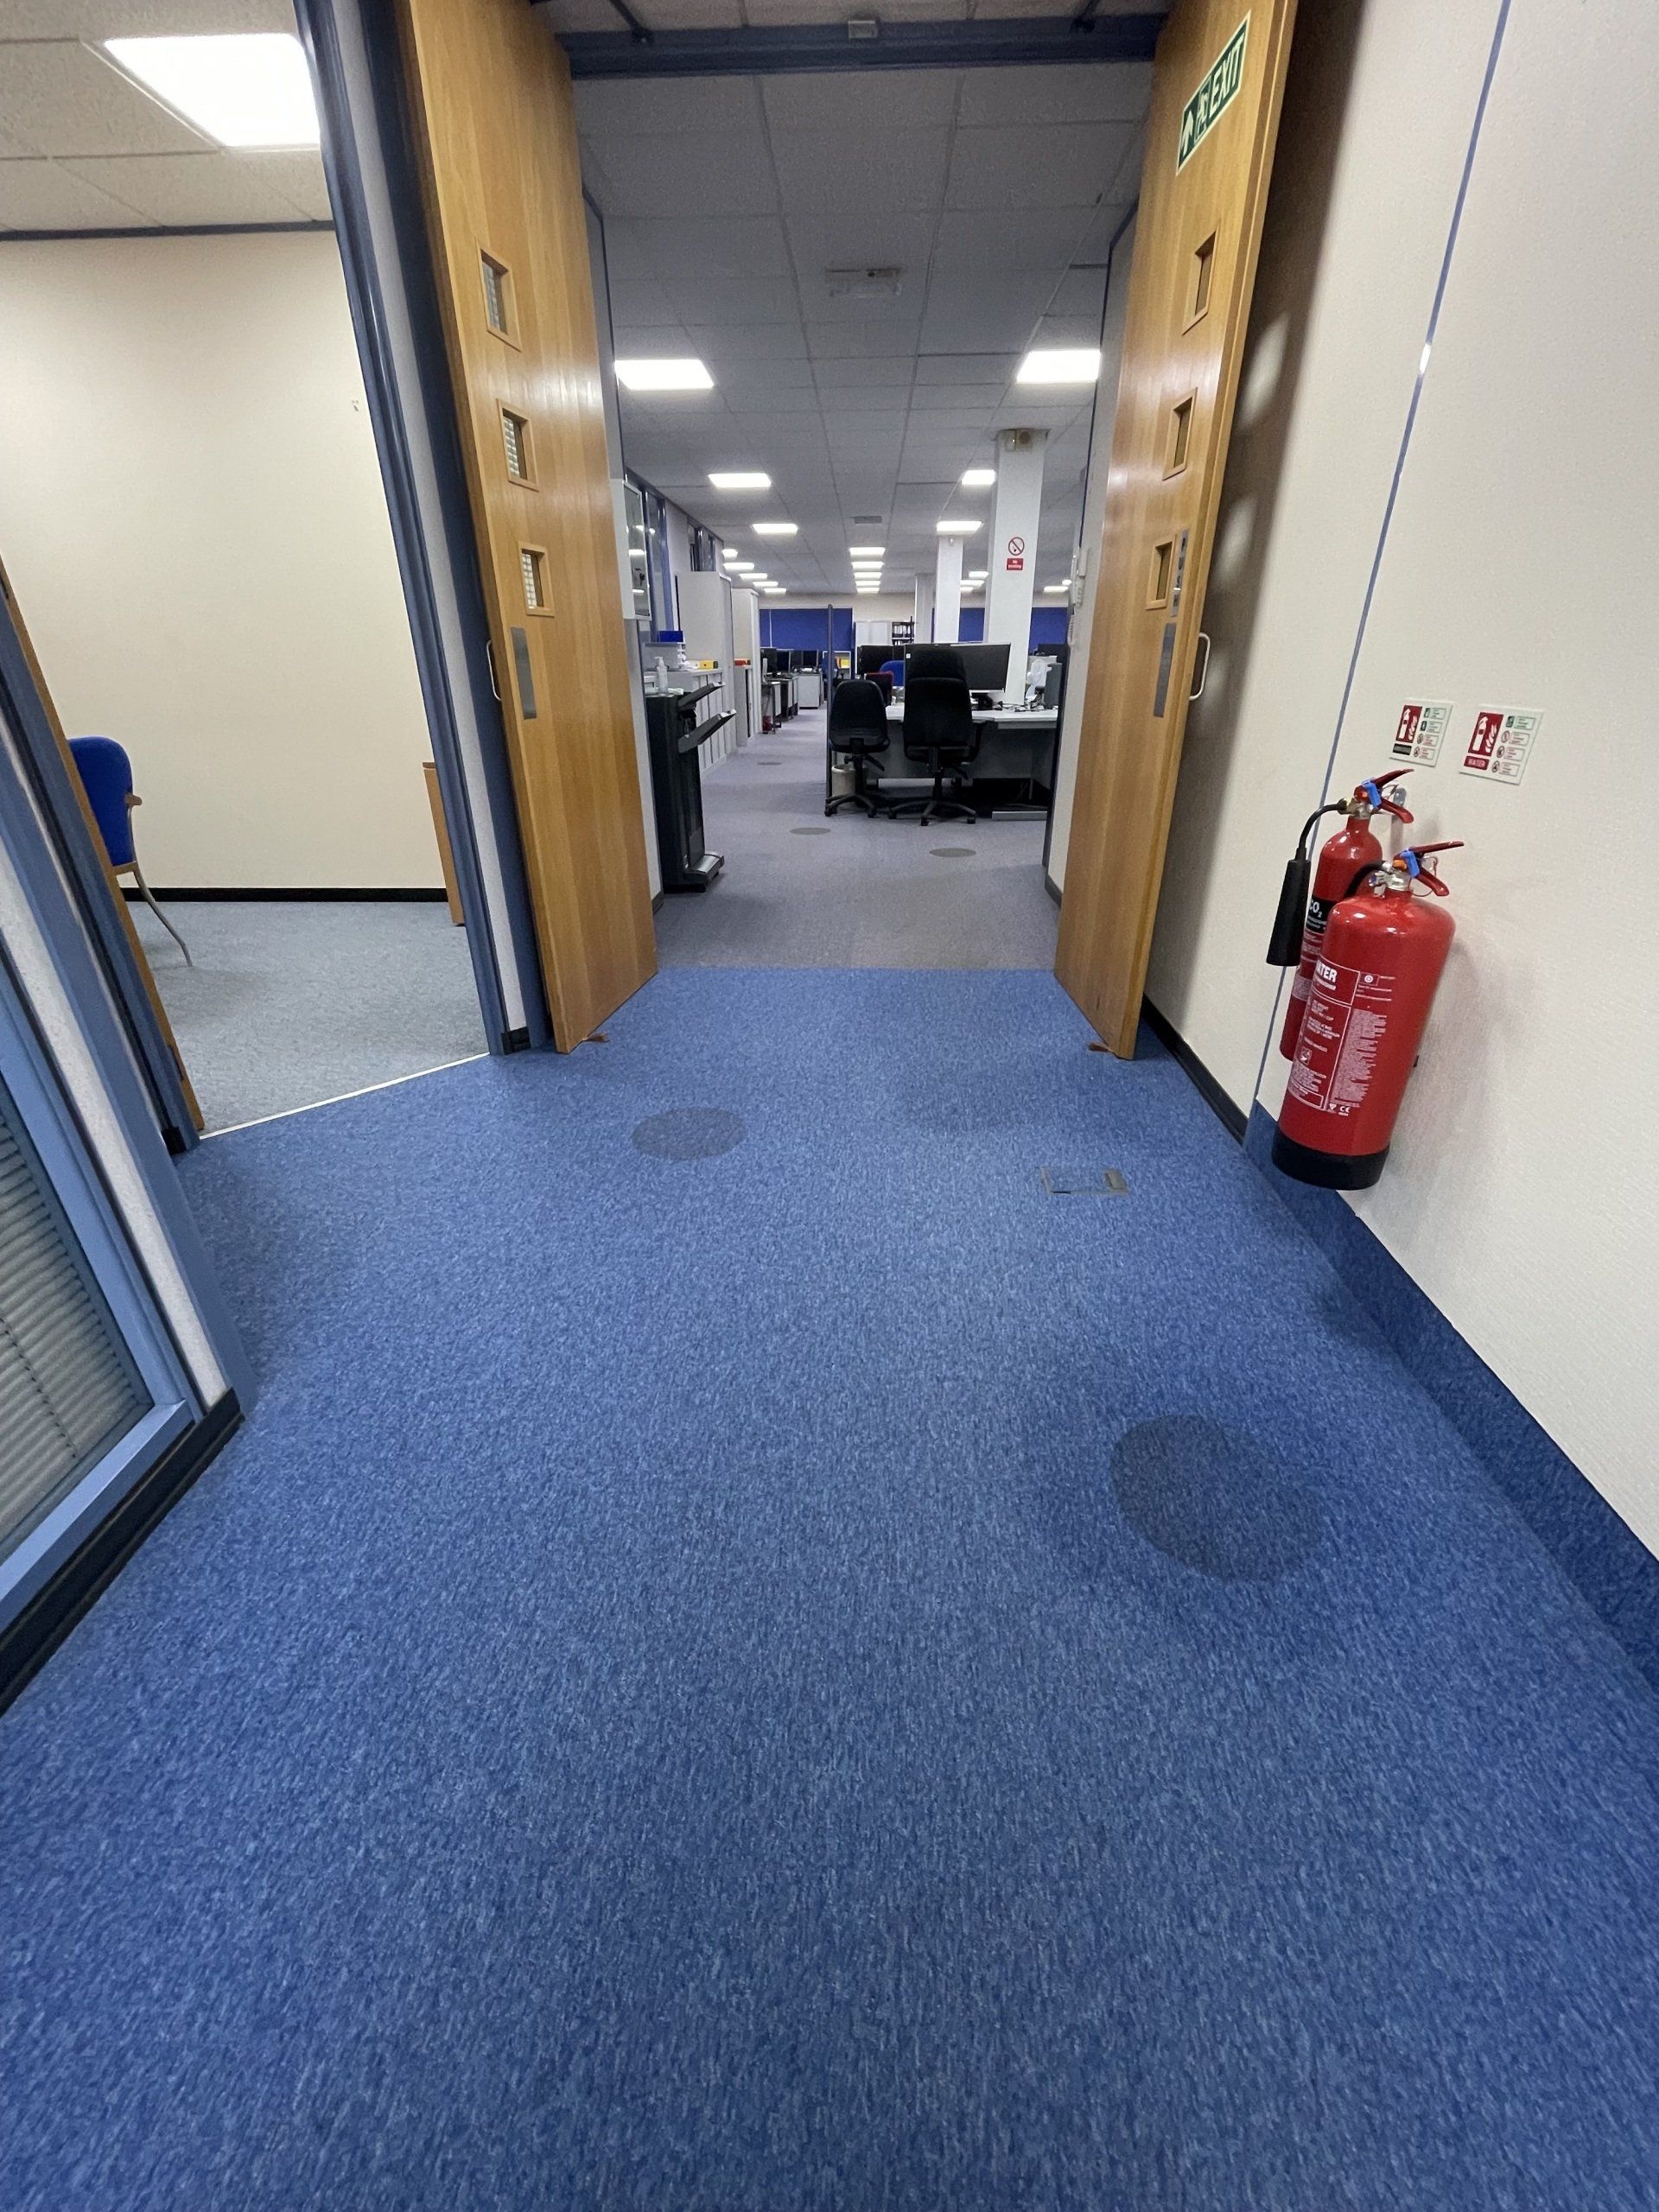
(799, 891)
(191, 519)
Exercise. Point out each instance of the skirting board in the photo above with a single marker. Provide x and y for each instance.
(196, 891)
(1609, 1567)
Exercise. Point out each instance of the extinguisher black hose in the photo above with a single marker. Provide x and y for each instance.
(1307, 827)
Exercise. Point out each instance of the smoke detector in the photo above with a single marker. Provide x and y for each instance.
(861, 283)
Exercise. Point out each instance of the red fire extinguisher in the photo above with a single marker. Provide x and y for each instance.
(1354, 846)
(1375, 977)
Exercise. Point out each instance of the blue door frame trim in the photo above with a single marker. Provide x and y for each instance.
(58, 806)
(794, 49)
(320, 34)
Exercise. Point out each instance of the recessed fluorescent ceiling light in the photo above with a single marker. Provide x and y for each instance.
(739, 480)
(867, 552)
(743, 568)
(776, 529)
(1057, 587)
(665, 376)
(956, 529)
(243, 89)
(973, 477)
(1059, 364)
(773, 590)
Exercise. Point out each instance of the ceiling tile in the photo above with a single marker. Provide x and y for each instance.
(579, 15)
(868, 166)
(45, 196)
(298, 175)
(1104, 92)
(893, 372)
(704, 246)
(832, 341)
(1096, 244)
(650, 341)
(761, 341)
(1001, 241)
(694, 15)
(63, 98)
(896, 100)
(651, 176)
(975, 399)
(965, 368)
(1064, 165)
(652, 107)
(187, 187)
(733, 302)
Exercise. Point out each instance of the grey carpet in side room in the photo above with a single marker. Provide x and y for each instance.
(291, 1001)
(869, 895)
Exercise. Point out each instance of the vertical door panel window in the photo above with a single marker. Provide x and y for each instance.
(500, 310)
(515, 441)
(532, 568)
(1198, 277)
(69, 1391)
(1180, 435)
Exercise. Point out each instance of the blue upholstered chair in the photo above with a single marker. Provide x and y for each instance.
(106, 773)
(895, 669)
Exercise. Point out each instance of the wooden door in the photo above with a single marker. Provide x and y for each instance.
(494, 125)
(1216, 85)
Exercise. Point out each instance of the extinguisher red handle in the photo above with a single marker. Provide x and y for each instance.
(1413, 856)
(1379, 803)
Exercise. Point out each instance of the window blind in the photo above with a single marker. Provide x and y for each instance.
(69, 1390)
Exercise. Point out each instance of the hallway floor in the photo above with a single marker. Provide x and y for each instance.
(802, 889)
(752, 1660)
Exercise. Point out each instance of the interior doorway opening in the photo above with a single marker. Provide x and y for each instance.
(193, 526)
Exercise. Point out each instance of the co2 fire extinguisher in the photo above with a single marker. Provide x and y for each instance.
(1375, 976)
(1353, 847)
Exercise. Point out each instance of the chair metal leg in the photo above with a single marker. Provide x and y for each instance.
(149, 897)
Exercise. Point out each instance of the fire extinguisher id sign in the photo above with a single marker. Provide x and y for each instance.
(1421, 731)
(1500, 744)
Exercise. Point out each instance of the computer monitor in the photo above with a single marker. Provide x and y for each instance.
(985, 667)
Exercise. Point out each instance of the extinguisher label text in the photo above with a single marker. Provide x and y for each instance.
(1342, 1032)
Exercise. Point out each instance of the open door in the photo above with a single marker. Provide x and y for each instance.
(1216, 85)
(495, 126)
(63, 802)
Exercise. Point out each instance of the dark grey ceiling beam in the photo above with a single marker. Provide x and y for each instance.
(791, 49)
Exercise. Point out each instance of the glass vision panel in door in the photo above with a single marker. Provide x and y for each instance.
(69, 1390)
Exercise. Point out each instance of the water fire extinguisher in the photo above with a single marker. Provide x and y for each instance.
(1375, 976)
(1354, 846)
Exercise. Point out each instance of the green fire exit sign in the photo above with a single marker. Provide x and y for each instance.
(1213, 97)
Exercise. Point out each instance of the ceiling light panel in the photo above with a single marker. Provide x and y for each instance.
(242, 89)
(665, 375)
(776, 529)
(869, 552)
(739, 480)
(975, 480)
(1059, 364)
(955, 527)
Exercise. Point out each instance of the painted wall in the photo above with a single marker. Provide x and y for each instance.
(1519, 569)
(191, 512)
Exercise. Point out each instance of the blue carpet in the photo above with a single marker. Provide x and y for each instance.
(813, 1675)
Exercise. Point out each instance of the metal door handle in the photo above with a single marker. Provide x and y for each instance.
(489, 655)
(1197, 692)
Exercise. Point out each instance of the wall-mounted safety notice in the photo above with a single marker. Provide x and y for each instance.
(1418, 733)
(1500, 744)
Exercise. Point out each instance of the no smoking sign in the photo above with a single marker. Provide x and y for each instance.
(1016, 555)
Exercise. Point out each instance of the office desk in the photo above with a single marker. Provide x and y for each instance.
(1016, 747)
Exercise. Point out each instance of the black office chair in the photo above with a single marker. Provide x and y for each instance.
(940, 729)
(858, 731)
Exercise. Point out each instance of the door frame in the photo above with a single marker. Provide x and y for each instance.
(57, 804)
(374, 188)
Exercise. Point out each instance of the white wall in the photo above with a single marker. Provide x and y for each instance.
(191, 512)
(1521, 568)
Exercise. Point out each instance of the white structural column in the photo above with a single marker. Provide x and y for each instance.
(923, 609)
(1011, 560)
(947, 593)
